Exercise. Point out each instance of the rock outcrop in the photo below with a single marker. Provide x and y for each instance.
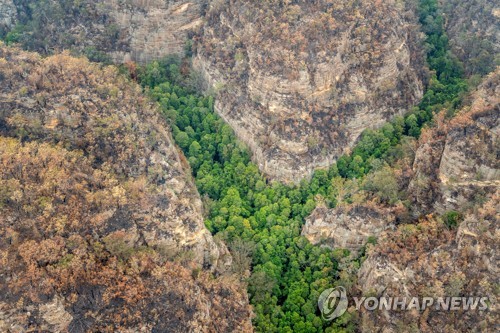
(473, 27)
(135, 30)
(101, 225)
(428, 260)
(154, 29)
(457, 162)
(456, 169)
(347, 227)
(300, 81)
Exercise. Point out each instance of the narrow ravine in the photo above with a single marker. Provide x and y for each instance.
(261, 221)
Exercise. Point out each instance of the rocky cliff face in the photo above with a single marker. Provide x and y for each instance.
(457, 162)
(135, 30)
(154, 29)
(101, 225)
(456, 168)
(8, 15)
(473, 28)
(300, 81)
(347, 227)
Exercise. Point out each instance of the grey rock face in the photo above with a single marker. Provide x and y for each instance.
(154, 29)
(299, 84)
(346, 227)
(457, 162)
(8, 15)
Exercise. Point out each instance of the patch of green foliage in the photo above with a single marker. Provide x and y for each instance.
(445, 90)
(452, 219)
(287, 272)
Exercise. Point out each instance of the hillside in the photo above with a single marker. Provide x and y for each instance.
(103, 227)
(298, 94)
(299, 81)
(452, 249)
(118, 31)
(474, 30)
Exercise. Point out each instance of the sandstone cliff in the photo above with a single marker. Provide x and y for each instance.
(456, 169)
(457, 162)
(101, 225)
(347, 227)
(473, 29)
(154, 29)
(134, 30)
(300, 81)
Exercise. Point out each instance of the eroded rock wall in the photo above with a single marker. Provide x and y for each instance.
(101, 224)
(299, 82)
(154, 28)
(135, 30)
(347, 227)
(456, 169)
(457, 162)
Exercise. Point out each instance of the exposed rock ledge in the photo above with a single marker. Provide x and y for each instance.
(299, 94)
(346, 227)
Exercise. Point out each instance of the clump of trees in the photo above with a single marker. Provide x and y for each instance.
(287, 273)
(260, 221)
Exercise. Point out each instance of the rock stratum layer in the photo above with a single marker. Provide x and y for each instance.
(101, 226)
(347, 227)
(473, 27)
(300, 81)
(136, 30)
(456, 169)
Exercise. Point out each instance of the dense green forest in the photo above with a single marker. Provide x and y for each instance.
(261, 221)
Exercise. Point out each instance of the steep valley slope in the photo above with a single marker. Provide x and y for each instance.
(299, 81)
(101, 225)
(453, 248)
